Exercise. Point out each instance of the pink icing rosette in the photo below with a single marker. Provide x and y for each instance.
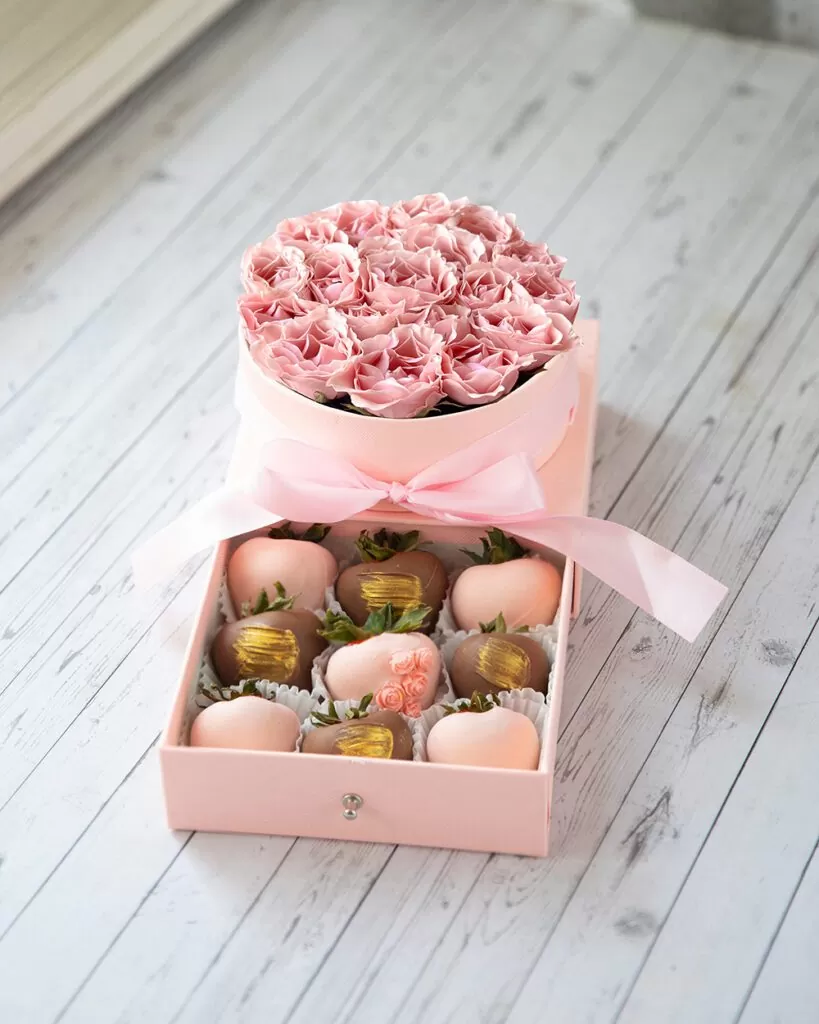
(415, 686)
(390, 697)
(409, 682)
(385, 310)
(412, 708)
(408, 663)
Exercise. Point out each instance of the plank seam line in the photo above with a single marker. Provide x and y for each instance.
(209, 359)
(187, 580)
(215, 959)
(348, 1014)
(67, 1006)
(776, 932)
(698, 136)
(630, 988)
(626, 129)
(341, 933)
(77, 556)
(724, 331)
(67, 853)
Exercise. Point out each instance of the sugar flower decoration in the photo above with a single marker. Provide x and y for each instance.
(409, 681)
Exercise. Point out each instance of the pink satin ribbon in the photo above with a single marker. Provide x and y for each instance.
(305, 484)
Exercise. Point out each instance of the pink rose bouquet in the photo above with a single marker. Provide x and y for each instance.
(424, 307)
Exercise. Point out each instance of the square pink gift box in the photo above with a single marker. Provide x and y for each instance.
(498, 810)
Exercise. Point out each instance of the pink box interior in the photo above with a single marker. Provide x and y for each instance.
(496, 810)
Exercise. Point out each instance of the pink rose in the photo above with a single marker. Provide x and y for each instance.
(397, 375)
(433, 208)
(390, 697)
(397, 280)
(435, 314)
(319, 228)
(484, 284)
(364, 323)
(334, 274)
(412, 708)
(305, 352)
(475, 372)
(258, 311)
(528, 252)
(271, 267)
(525, 329)
(415, 686)
(359, 219)
(454, 244)
(487, 222)
(542, 283)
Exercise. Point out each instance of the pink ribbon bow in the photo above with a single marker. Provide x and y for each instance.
(305, 484)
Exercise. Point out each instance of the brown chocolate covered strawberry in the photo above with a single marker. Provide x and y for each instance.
(392, 572)
(360, 733)
(276, 643)
(497, 659)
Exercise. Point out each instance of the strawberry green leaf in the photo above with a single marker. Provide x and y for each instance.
(497, 625)
(284, 531)
(380, 546)
(496, 547)
(281, 603)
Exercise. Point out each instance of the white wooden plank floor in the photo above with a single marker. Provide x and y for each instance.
(679, 172)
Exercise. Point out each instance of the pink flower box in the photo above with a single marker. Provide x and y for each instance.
(498, 810)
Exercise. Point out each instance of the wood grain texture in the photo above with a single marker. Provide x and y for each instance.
(678, 171)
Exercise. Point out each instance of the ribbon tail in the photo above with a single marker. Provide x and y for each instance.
(223, 514)
(674, 591)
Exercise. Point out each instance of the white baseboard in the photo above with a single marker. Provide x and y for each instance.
(90, 74)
